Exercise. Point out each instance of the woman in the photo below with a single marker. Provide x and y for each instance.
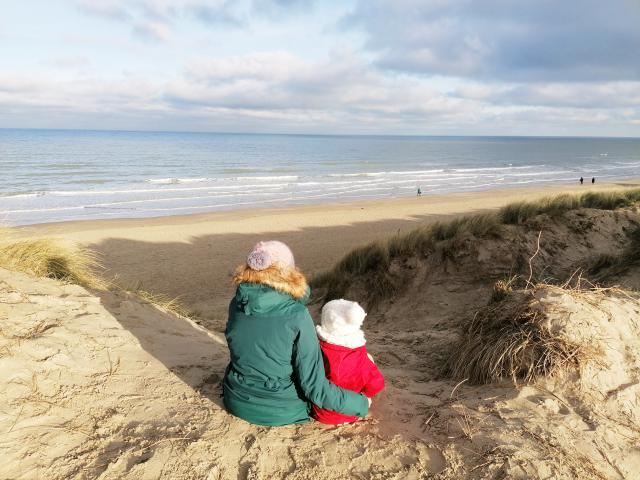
(276, 369)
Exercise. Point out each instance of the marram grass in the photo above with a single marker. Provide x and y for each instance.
(372, 261)
(163, 302)
(511, 340)
(50, 258)
(556, 206)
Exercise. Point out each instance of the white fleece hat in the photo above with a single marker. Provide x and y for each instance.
(341, 317)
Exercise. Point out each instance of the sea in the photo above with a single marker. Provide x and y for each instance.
(61, 175)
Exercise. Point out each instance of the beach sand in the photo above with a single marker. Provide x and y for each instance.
(192, 257)
(100, 384)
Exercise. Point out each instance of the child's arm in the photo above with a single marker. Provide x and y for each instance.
(376, 381)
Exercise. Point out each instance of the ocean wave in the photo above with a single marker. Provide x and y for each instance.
(71, 193)
(254, 178)
(482, 169)
(174, 181)
(623, 167)
(279, 178)
(162, 181)
(362, 174)
(28, 194)
(34, 210)
(436, 171)
(238, 170)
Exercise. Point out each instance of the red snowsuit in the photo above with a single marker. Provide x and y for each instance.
(348, 368)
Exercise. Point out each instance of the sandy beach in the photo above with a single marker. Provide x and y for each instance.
(191, 257)
(103, 384)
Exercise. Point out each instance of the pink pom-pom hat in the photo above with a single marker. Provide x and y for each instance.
(266, 254)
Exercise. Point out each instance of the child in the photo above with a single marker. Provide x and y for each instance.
(346, 361)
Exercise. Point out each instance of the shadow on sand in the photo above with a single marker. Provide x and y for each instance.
(195, 355)
(198, 271)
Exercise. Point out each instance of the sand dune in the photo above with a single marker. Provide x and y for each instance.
(105, 385)
(108, 387)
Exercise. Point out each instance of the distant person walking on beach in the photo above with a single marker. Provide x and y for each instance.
(593, 180)
(276, 369)
(419, 192)
(581, 180)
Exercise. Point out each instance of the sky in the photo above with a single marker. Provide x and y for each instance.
(405, 67)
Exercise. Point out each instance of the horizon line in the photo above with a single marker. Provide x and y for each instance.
(400, 135)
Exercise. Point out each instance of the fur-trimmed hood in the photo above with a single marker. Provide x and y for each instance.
(290, 281)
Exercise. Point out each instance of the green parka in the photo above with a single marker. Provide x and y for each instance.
(276, 365)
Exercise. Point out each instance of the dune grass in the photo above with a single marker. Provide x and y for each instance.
(50, 258)
(371, 262)
(606, 265)
(556, 206)
(511, 340)
(162, 302)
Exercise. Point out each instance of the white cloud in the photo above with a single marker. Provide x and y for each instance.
(274, 66)
(74, 61)
(586, 95)
(280, 92)
(152, 31)
(155, 19)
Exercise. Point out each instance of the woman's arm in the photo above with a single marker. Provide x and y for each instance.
(309, 370)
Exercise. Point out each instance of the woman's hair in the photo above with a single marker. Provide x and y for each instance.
(285, 280)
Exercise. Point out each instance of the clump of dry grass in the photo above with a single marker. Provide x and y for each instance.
(45, 257)
(50, 258)
(510, 338)
(164, 303)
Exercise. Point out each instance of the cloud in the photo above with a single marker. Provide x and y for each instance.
(154, 19)
(276, 91)
(109, 9)
(276, 8)
(155, 31)
(589, 96)
(281, 92)
(71, 61)
(282, 81)
(220, 15)
(513, 41)
(268, 66)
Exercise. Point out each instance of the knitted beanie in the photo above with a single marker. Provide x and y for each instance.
(266, 254)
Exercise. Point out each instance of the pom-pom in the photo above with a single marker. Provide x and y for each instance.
(259, 260)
